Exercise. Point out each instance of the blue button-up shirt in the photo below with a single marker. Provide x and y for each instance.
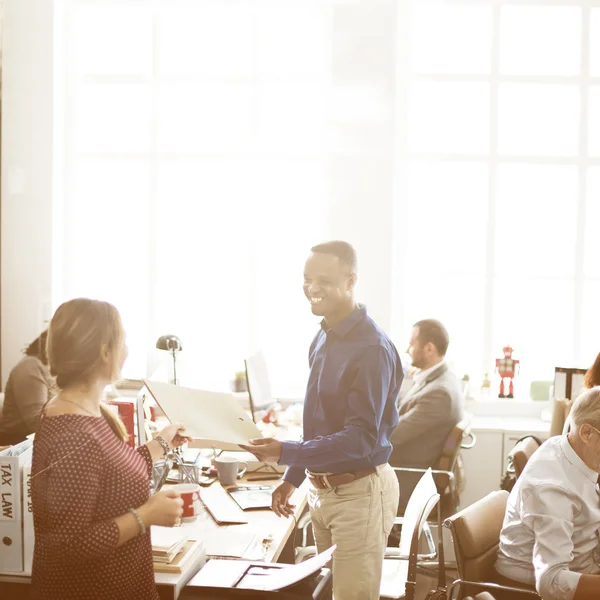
(350, 406)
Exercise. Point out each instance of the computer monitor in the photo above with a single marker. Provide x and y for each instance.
(259, 386)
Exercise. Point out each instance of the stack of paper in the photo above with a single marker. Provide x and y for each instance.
(167, 542)
(190, 552)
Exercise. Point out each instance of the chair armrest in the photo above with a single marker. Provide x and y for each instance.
(303, 521)
(468, 445)
(394, 554)
(451, 477)
(450, 474)
(490, 586)
(390, 552)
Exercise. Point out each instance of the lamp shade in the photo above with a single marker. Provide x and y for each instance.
(169, 342)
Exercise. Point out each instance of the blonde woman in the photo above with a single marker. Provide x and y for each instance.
(92, 508)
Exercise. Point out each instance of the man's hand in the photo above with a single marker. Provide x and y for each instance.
(265, 449)
(279, 500)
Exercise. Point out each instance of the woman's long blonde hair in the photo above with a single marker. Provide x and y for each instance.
(79, 332)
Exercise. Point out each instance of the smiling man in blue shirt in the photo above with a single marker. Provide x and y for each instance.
(349, 415)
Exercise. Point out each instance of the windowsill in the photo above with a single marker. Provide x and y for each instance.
(510, 407)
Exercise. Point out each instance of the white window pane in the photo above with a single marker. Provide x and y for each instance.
(540, 40)
(458, 302)
(449, 117)
(595, 42)
(112, 118)
(197, 117)
(291, 116)
(538, 119)
(111, 40)
(536, 216)
(590, 323)
(593, 128)
(447, 218)
(592, 218)
(451, 38)
(356, 102)
(107, 225)
(202, 265)
(293, 39)
(292, 195)
(213, 39)
(535, 317)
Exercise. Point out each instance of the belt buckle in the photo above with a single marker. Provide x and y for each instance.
(322, 480)
(328, 485)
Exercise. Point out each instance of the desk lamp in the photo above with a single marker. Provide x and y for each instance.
(173, 344)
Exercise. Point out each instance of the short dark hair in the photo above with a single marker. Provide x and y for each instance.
(433, 331)
(343, 250)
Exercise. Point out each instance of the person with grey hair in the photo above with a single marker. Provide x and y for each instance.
(550, 536)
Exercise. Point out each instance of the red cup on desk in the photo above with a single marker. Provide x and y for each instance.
(190, 494)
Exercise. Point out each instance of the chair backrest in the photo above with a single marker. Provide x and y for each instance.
(560, 413)
(521, 453)
(476, 536)
(421, 496)
(452, 446)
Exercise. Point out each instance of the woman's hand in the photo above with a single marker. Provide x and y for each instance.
(174, 435)
(164, 508)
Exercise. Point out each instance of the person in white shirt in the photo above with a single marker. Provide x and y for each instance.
(549, 538)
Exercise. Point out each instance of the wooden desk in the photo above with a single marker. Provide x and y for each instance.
(261, 523)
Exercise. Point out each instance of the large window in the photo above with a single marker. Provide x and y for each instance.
(193, 168)
(499, 179)
(204, 145)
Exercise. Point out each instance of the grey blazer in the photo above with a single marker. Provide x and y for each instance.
(428, 412)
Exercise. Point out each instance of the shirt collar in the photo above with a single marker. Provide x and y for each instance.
(421, 376)
(342, 328)
(576, 461)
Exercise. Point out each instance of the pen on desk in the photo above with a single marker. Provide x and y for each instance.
(263, 477)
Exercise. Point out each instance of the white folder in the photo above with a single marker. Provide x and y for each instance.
(28, 534)
(214, 419)
(12, 460)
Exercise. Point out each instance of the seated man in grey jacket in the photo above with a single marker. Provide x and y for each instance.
(429, 409)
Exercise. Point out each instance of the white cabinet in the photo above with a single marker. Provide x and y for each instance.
(483, 466)
(485, 463)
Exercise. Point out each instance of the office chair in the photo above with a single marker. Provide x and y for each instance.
(448, 469)
(476, 537)
(522, 452)
(400, 564)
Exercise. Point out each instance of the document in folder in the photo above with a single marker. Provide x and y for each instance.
(213, 418)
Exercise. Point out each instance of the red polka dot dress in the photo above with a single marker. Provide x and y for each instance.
(83, 477)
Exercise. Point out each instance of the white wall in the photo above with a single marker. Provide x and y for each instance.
(26, 220)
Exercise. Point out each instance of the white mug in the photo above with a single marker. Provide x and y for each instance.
(228, 469)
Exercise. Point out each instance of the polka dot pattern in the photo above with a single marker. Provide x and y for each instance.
(87, 477)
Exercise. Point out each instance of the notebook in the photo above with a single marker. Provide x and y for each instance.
(221, 506)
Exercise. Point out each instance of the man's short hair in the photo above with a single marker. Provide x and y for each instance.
(586, 409)
(433, 331)
(343, 250)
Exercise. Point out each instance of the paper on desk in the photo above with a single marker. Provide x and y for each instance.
(212, 418)
(286, 576)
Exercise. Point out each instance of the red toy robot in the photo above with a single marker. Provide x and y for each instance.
(506, 367)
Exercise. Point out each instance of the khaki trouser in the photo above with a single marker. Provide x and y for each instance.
(358, 518)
